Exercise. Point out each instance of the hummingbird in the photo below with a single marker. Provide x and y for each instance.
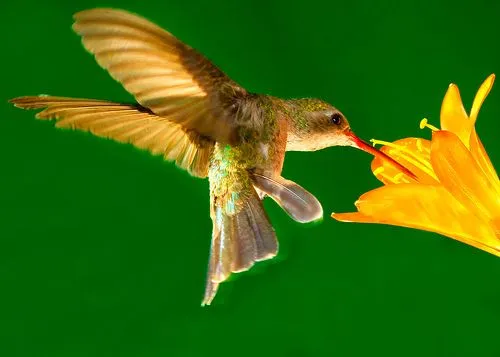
(187, 110)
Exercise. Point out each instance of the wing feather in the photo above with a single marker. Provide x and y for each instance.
(128, 124)
(164, 74)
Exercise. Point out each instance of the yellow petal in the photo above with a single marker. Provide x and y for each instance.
(412, 153)
(353, 217)
(424, 207)
(482, 159)
(496, 227)
(459, 173)
(481, 95)
(454, 118)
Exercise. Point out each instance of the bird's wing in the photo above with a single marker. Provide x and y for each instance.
(164, 74)
(126, 123)
(300, 204)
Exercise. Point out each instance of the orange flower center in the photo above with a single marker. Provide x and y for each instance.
(417, 156)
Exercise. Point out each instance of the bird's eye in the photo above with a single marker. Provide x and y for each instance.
(336, 118)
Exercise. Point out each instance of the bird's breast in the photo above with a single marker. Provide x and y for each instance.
(230, 164)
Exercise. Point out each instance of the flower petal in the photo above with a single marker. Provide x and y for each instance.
(352, 217)
(479, 154)
(412, 153)
(424, 207)
(496, 227)
(459, 173)
(454, 118)
(481, 95)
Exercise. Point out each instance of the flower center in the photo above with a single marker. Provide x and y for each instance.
(414, 157)
(398, 178)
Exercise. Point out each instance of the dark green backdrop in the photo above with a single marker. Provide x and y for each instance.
(103, 248)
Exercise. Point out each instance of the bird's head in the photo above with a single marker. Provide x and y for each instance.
(315, 125)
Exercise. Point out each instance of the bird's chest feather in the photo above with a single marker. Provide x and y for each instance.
(230, 166)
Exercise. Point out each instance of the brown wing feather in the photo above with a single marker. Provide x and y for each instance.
(128, 124)
(163, 74)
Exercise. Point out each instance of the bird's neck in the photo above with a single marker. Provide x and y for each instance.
(298, 138)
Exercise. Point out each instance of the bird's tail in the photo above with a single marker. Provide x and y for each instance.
(241, 237)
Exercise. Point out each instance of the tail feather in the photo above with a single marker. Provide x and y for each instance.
(266, 248)
(238, 241)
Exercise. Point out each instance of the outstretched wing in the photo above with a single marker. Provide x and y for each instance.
(126, 123)
(165, 75)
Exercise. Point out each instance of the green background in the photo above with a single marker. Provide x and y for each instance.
(103, 248)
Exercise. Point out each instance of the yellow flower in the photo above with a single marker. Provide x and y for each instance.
(456, 191)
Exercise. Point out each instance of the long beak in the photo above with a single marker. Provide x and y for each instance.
(356, 142)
